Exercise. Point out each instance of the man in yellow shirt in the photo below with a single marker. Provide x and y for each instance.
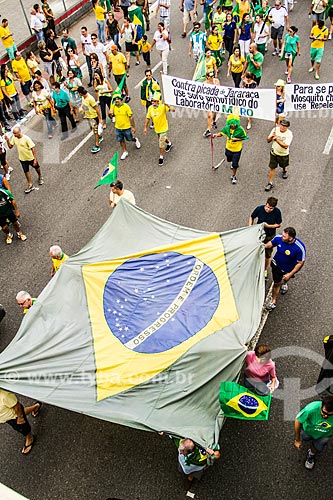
(118, 65)
(235, 136)
(157, 112)
(124, 124)
(14, 414)
(92, 113)
(27, 156)
(58, 257)
(22, 73)
(25, 300)
(7, 39)
(319, 35)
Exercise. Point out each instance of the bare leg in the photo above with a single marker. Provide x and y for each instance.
(271, 175)
(28, 177)
(123, 145)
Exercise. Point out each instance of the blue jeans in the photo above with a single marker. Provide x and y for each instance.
(40, 36)
(115, 39)
(101, 31)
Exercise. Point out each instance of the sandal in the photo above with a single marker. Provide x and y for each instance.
(27, 446)
(35, 413)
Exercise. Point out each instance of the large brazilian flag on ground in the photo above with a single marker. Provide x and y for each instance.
(142, 325)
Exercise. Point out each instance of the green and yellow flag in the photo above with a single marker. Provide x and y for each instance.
(200, 69)
(110, 173)
(238, 402)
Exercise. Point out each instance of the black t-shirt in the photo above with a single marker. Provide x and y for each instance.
(50, 44)
(44, 53)
(113, 27)
(273, 217)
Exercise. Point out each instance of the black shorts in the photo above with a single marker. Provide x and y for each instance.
(233, 157)
(27, 164)
(268, 251)
(277, 273)
(131, 47)
(24, 429)
(3, 160)
(118, 79)
(278, 161)
(330, 13)
(26, 87)
(11, 217)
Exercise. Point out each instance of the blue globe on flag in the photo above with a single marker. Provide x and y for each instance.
(248, 404)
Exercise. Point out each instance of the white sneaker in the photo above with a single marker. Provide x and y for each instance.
(137, 143)
(7, 177)
(330, 37)
(124, 155)
(10, 169)
(284, 289)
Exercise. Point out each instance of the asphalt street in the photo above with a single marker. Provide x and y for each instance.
(77, 457)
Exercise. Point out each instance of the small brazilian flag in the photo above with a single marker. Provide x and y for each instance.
(110, 173)
(238, 402)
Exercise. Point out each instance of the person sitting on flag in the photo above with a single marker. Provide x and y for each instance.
(118, 191)
(25, 300)
(260, 374)
(192, 459)
(235, 136)
(58, 257)
(158, 113)
(314, 424)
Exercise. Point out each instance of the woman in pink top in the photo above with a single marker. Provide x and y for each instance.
(260, 375)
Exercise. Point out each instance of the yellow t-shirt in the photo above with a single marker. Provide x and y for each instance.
(159, 117)
(24, 145)
(144, 46)
(214, 42)
(122, 115)
(88, 106)
(118, 62)
(244, 8)
(32, 65)
(57, 262)
(7, 401)
(9, 84)
(8, 42)
(236, 65)
(318, 33)
(22, 69)
(26, 309)
(99, 13)
(210, 63)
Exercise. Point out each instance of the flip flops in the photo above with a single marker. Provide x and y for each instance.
(35, 413)
(27, 446)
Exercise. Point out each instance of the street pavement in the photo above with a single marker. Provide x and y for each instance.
(77, 457)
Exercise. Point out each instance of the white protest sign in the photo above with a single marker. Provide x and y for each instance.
(254, 103)
(300, 96)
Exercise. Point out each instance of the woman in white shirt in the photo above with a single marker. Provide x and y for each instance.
(129, 31)
(43, 105)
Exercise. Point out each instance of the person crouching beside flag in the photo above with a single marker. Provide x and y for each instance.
(260, 374)
(158, 113)
(235, 136)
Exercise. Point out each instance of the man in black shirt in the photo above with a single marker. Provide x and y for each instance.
(270, 215)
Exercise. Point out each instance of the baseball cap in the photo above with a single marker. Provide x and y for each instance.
(285, 123)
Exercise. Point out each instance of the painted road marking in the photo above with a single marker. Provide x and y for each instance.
(76, 149)
(329, 143)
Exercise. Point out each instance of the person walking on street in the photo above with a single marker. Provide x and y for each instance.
(161, 36)
(64, 107)
(118, 66)
(157, 112)
(27, 156)
(281, 138)
(235, 66)
(104, 91)
(100, 13)
(269, 215)
(279, 19)
(317, 10)
(9, 91)
(9, 213)
(290, 49)
(7, 39)
(44, 105)
(253, 63)
(235, 136)
(149, 86)
(22, 73)
(189, 9)
(319, 35)
(86, 45)
(124, 124)
(288, 260)
(197, 42)
(92, 114)
(314, 425)
(211, 115)
(14, 414)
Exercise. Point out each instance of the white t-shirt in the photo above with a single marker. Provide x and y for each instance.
(86, 43)
(257, 32)
(161, 44)
(127, 195)
(100, 50)
(279, 16)
(35, 23)
(285, 137)
(317, 6)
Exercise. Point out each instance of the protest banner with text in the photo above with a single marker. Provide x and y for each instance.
(251, 103)
(300, 96)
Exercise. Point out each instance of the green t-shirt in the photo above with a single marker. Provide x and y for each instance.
(313, 423)
(291, 43)
(258, 57)
(6, 208)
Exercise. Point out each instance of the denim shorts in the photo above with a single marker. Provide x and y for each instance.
(122, 135)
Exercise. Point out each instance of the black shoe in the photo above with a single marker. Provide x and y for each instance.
(127, 99)
(269, 186)
(183, 35)
(168, 147)
(161, 161)
(90, 84)
(284, 175)
(74, 129)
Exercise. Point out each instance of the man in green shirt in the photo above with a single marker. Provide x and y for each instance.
(254, 62)
(314, 424)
